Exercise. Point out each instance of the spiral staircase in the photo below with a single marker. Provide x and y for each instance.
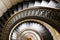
(29, 20)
